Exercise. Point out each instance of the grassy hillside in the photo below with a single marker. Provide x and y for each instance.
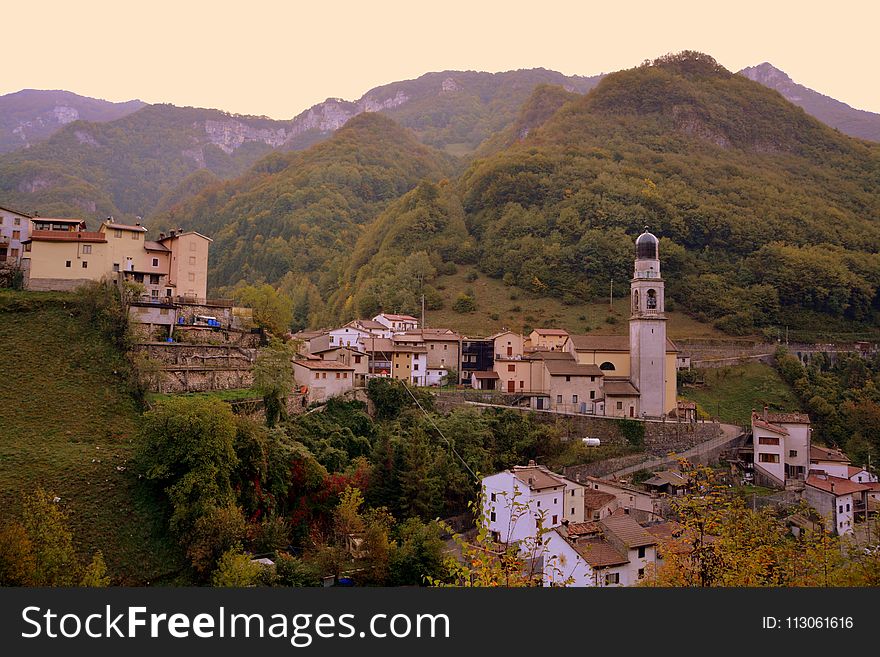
(500, 306)
(731, 393)
(67, 425)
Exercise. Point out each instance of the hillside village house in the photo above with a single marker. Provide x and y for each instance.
(397, 323)
(15, 229)
(323, 379)
(615, 551)
(840, 501)
(358, 360)
(548, 338)
(781, 444)
(176, 265)
(517, 500)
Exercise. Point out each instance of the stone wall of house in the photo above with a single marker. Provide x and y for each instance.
(206, 335)
(174, 367)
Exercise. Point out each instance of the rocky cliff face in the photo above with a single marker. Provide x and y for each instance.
(30, 116)
(851, 121)
(230, 134)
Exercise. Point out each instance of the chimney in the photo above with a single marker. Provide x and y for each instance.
(161, 236)
(137, 223)
(532, 463)
(765, 413)
(171, 233)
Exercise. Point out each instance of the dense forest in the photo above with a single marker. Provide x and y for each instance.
(768, 217)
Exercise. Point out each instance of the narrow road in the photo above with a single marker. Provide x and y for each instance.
(730, 433)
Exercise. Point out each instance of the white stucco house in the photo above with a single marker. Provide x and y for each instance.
(518, 501)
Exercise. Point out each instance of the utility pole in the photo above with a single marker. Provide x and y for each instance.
(611, 295)
(423, 312)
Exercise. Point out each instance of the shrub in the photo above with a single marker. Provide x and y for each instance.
(464, 303)
(471, 276)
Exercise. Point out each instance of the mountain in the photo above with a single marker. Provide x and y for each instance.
(30, 116)
(128, 166)
(851, 121)
(144, 163)
(451, 110)
(298, 214)
(767, 215)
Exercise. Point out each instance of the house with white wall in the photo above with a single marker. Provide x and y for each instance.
(781, 447)
(829, 460)
(397, 323)
(616, 551)
(517, 501)
(323, 378)
(840, 501)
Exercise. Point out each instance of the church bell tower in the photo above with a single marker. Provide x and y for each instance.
(647, 328)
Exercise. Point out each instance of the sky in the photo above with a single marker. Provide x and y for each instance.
(277, 58)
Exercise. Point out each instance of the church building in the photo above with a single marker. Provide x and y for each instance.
(639, 374)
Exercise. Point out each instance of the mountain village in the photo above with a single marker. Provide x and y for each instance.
(575, 528)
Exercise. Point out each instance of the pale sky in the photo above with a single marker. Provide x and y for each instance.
(277, 58)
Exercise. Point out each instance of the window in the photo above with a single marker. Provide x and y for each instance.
(192, 260)
(27, 247)
(192, 276)
(154, 279)
(492, 516)
(338, 375)
(446, 347)
(317, 375)
(555, 500)
(558, 399)
(572, 492)
(16, 234)
(345, 375)
(847, 507)
(357, 360)
(619, 406)
(792, 453)
(574, 399)
(14, 254)
(163, 311)
(768, 440)
(641, 573)
(555, 520)
(511, 368)
(572, 510)
(568, 379)
(323, 375)
(155, 262)
(192, 246)
(87, 248)
(115, 266)
(592, 394)
(154, 294)
(592, 379)
(117, 233)
(612, 578)
(607, 366)
(16, 221)
(67, 264)
(539, 505)
(415, 366)
(769, 458)
(642, 552)
(652, 299)
(840, 509)
(522, 384)
(494, 496)
(135, 236)
(85, 264)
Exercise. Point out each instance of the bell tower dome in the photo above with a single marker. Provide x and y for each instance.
(647, 328)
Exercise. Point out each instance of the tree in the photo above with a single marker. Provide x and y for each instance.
(17, 562)
(419, 553)
(273, 310)
(464, 303)
(55, 561)
(236, 569)
(214, 533)
(95, 574)
(187, 446)
(273, 378)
